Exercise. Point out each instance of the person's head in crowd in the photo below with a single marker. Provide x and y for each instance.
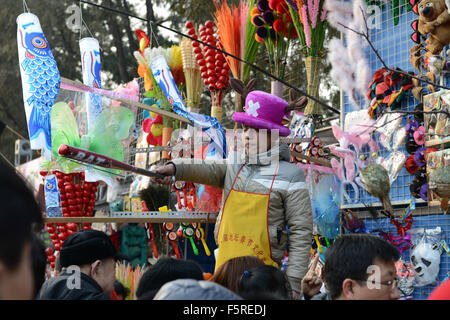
(18, 215)
(361, 267)
(39, 263)
(264, 279)
(229, 273)
(166, 270)
(94, 253)
(121, 291)
(190, 289)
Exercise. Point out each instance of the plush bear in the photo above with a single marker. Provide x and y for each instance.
(434, 19)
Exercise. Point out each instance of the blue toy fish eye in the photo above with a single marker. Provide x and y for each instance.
(39, 42)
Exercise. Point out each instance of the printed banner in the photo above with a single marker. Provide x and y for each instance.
(52, 197)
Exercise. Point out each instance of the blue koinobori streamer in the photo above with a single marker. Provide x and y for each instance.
(40, 80)
(90, 63)
(210, 125)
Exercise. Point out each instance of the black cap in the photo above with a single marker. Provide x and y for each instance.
(87, 246)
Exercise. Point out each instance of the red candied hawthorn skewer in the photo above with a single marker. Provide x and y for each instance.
(214, 69)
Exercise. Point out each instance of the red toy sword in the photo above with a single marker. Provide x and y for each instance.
(102, 161)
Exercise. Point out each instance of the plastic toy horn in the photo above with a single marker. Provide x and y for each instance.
(172, 236)
(200, 233)
(188, 233)
(150, 233)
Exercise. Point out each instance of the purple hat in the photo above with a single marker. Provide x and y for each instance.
(419, 157)
(424, 192)
(263, 111)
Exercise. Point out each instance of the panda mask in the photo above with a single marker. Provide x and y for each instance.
(426, 256)
(425, 259)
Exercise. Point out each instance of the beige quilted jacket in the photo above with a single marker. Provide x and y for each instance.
(289, 203)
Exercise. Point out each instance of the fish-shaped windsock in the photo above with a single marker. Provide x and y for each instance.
(90, 67)
(40, 80)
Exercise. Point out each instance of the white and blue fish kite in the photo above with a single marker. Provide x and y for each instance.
(40, 81)
(217, 148)
(90, 67)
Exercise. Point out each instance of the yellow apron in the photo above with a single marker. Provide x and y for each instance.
(243, 229)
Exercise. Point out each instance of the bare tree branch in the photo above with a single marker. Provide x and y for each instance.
(366, 36)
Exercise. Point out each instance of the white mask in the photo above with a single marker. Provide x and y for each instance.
(426, 256)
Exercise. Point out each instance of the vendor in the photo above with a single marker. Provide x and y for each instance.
(262, 194)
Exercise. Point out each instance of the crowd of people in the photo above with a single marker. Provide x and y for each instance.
(86, 266)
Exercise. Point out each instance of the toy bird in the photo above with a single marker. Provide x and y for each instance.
(376, 181)
(40, 80)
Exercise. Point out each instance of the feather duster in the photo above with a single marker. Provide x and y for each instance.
(228, 22)
(350, 70)
(175, 63)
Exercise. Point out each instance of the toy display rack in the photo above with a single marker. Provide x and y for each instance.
(141, 217)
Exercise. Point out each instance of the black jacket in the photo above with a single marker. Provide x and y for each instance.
(59, 288)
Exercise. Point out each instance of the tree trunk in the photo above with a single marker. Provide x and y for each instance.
(133, 45)
(117, 35)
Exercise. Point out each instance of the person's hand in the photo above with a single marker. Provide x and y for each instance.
(168, 170)
(311, 283)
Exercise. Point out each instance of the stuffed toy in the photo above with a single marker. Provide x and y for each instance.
(154, 130)
(434, 21)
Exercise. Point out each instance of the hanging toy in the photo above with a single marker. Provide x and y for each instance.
(189, 195)
(404, 222)
(352, 223)
(425, 255)
(150, 233)
(200, 234)
(402, 243)
(40, 81)
(172, 236)
(188, 233)
(316, 148)
(154, 130)
(179, 186)
(405, 274)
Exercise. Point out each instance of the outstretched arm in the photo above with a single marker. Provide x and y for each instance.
(212, 174)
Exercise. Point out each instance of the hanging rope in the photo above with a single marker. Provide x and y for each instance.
(25, 6)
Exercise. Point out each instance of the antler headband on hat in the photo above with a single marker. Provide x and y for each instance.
(264, 110)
